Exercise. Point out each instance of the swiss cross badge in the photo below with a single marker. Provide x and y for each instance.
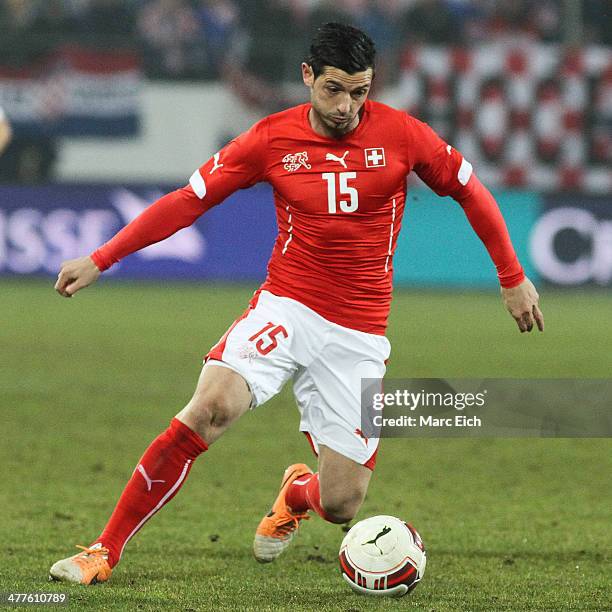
(375, 158)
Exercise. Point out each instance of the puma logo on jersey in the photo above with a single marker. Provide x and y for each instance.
(340, 160)
(148, 480)
(216, 165)
(294, 161)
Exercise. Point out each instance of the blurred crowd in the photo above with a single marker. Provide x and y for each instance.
(197, 38)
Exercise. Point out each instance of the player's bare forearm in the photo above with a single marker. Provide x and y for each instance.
(76, 274)
(523, 303)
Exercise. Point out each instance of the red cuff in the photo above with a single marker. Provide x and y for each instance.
(101, 263)
(512, 281)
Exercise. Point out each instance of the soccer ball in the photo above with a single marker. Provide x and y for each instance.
(382, 555)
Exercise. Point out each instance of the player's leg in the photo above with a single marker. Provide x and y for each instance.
(342, 486)
(335, 493)
(250, 364)
(221, 396)
(328, 394)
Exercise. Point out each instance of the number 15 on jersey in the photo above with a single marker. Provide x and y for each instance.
(343, 188)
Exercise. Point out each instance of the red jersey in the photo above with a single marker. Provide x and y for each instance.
(339, 205)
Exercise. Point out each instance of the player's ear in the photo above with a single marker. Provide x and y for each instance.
(308, 75)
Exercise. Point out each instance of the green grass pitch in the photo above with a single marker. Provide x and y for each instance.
(85, 384)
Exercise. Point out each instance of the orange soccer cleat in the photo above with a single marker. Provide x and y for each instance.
(87, 567)
(277, 528)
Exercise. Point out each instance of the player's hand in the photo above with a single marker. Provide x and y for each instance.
(522, 303)
(76, 274)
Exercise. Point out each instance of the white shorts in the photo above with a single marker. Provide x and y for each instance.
(278, 338)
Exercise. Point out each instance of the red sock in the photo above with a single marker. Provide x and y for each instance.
(160, 473)
(303, 494)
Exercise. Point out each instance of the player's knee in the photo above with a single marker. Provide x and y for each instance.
(219, 411)
(213, 411)
(341, 507)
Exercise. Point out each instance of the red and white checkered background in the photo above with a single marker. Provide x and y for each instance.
(529, 115)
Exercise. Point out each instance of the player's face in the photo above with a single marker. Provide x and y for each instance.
(336, 99)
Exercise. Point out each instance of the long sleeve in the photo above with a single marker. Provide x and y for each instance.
(168, 215)
(487, 221)
(238, 165)
(448, 173)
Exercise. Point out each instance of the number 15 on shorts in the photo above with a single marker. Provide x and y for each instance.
(268, 338)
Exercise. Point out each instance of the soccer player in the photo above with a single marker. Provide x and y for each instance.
(338, 166)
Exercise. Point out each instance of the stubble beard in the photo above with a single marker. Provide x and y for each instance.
(334, 129)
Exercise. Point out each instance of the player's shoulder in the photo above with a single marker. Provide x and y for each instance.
(380, 111)
(262, 132)
(288, 121)
(393, 114)
(380, 108)
(288, 118)
(414, 128)
(397, 124)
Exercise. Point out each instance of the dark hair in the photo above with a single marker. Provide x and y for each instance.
(341, 46)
